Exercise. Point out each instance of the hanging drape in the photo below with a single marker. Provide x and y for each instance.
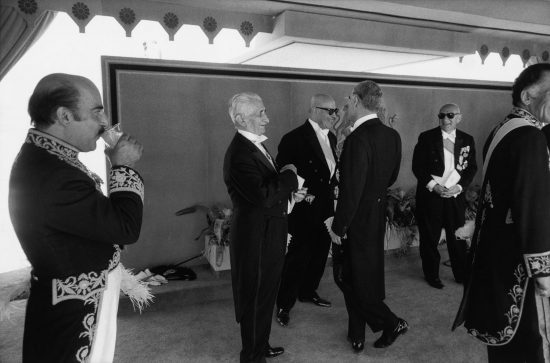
(17, 36)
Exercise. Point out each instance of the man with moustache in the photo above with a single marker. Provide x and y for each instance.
(67, 228)
(444, 163)
(369, 164)
(505, 303)
(310, 147)
(260, 193)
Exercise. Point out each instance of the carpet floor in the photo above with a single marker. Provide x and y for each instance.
(193, 321)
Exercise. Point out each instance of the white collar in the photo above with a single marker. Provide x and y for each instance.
(317, 128)
(257, 139)
(362, 120)
(448, 135)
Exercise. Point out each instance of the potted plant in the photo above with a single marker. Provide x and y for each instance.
(472, 197)
(401, 228)
(215, 234)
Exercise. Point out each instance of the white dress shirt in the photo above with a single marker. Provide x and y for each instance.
(257, 140)
(449, 159)
(322, 137)
(361, 121)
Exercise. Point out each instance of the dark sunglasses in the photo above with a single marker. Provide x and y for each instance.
(450, 115)
(330, 111)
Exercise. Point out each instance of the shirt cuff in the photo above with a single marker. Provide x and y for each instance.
(431, 185)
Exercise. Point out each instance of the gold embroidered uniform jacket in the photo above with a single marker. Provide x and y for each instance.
(511, 244)
(69, 231)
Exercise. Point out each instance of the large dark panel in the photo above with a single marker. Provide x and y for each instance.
(178, 110)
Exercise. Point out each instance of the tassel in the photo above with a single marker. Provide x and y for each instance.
(8, 297)
(139, 293)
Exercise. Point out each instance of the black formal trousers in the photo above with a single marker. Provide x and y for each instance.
(304, 264)
(374, 313)
(430, 222)
(256, 321)
(308, 249)
(526, 345)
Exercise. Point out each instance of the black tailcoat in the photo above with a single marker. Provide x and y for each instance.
(258, 238)
(308, 249)
(428, 160)
(369, 164)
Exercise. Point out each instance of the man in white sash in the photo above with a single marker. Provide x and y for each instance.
(505, 302)
(444, 163)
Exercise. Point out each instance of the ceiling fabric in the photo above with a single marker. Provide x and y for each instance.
(128, 14)
(287, 26)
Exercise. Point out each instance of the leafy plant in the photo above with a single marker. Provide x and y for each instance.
(400, 217)
(218, 219)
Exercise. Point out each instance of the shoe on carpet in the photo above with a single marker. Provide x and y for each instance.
(357, 345)
(315, 299)
(283, 317)
(272, 352)
(436, 283)
(389, 337)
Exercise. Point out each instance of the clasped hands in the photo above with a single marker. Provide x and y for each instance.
(446, 192)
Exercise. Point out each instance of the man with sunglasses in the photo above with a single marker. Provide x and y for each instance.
(311, 148)
(369, 164)
(444, 162)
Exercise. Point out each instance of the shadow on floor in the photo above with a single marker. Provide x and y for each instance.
(193, 321)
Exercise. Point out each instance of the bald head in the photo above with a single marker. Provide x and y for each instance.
(322, 110)
(449, 116)
(54, 91)
(320, 100)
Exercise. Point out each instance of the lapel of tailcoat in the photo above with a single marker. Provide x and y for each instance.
(256, 153)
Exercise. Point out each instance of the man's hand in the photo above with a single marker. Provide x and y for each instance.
(452, 191)
(542, 286)
(289, 167)
(299, 195)
(441, 190)
(335, 238)
(126, 152)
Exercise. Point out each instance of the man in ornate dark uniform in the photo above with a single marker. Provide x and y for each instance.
(369, 164)
(444, 162)
(68, 229)
(310, 147)
(260, 194)
(505, 303)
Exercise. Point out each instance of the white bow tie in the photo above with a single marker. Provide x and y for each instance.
(448, 136)
(259, 139)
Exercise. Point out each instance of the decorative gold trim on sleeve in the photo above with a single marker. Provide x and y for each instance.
(126, 179)
(537, 263)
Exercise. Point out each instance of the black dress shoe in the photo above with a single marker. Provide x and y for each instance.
(356, 345)
(272, 352)
(388, 337)
(435, 283)
(283, 317)
(316, 300)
